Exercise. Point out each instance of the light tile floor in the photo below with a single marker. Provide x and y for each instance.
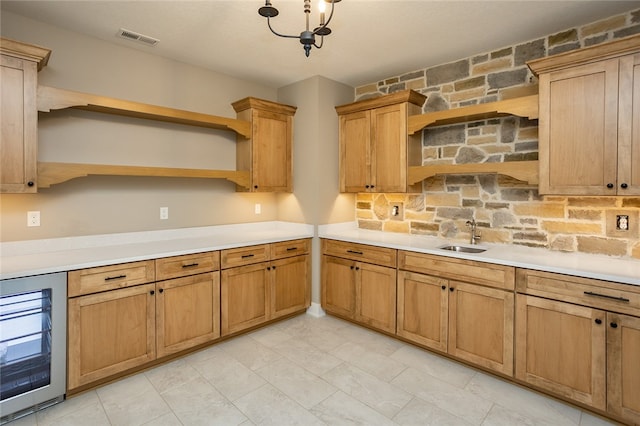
(311, 371)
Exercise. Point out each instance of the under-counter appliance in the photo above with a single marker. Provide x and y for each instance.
(33, 334)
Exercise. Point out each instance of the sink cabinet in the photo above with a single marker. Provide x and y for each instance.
(460, 307)
(359, 283)
(579, 339)
(20, 63)
(375, 148)
(589, 132)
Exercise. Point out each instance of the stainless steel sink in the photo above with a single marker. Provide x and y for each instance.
(464, 249)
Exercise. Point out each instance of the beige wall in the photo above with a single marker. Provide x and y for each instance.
(316, 198)
(97, 205)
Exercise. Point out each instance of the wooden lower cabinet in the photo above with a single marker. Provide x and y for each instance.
(360, 291)
(481, 326)
(110, 332)
(244, 297)
(289, 290)
(468, 321)
(560, 347)
(258, 292)
(187, 312)
(623, 366)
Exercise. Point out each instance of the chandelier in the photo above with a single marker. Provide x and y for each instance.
(306, 37)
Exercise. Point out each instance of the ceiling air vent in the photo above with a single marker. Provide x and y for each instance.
(134, 36)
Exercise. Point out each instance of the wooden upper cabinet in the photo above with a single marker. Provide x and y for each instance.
(589, 134)
(19, 66)
(267, 153)
(375, 150)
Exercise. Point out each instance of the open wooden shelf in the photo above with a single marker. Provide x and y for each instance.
(525, 106)
(51, 98)
(526, 171)
(54, 173)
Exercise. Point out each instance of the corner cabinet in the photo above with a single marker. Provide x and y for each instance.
(375, 147)
(266, 154)
(19, 64)
(589, 137)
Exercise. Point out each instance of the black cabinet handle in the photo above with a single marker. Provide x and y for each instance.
(355, 252)
(255, 186)
(614, 325)
(292, 248)
(268, 268)
(357, 268)
(190, 265)
(598, 321)
(606, 296)
(366, 186)
(119, 277)
(352, 266)
(245, 256)
(161, 290)
(623, 185)
(609, 185)
(451, 289)
(444, 287)
(273, 267)
(30, 183)
(152, 292)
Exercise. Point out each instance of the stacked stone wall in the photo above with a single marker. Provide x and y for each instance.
(508, 211)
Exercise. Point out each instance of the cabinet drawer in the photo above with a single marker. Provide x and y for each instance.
(190, 264)
(290, 248)
(458, 269)
(377, 255)
(244, 256)
(94, 280)
(583, 291)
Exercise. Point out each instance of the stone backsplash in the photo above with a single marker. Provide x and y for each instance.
(506, 210)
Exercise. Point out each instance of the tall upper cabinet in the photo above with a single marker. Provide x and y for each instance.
(267, 153)
(19, 66)
(589, 125)
(375, 149)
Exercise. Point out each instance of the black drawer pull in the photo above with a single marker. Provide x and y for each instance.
(119, 277)
(190, 265)
(619, 299)
(292, 248)
(244, 256)
(355, 252)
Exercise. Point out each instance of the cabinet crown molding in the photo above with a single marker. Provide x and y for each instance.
(250, 102)
(599, 52)
(409, 96)
(29, 52)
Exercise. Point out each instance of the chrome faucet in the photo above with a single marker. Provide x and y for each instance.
(475, 236)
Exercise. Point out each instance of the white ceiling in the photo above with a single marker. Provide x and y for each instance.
(371, 40)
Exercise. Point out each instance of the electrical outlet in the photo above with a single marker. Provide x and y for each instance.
(622, 222)
(258, 208)
(33, 218)
(164, 213)
(396, 211)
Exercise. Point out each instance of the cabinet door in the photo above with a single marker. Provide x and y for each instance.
(629, 127)
(355, 152)
(290, 282)
(19, 141)
(481, 325)
(423, 309)
(578, 130)
(389, 148)
(560, 347)
(338, 286)
(271, 156)
(110, 332)
(244, 297)
(188, 312)
(376, 296)
(623, 366)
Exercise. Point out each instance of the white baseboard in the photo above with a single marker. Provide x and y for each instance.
(315, 310)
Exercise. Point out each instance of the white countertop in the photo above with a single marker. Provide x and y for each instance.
(579, 264)
(35, 257)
